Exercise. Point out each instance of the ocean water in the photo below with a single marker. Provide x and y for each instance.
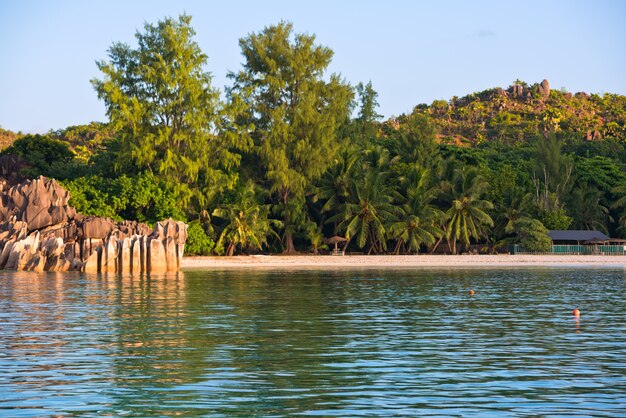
(304, 342)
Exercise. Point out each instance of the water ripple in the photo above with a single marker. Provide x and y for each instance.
(407, 342)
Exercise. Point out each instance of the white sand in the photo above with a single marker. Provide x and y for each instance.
(400, 261)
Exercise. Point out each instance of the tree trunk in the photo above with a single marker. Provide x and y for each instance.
(397, 249)
(231, 249)
(436, 245)
(288, 237)
(289, 247)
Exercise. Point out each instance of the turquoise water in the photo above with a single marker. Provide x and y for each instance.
(270, 343)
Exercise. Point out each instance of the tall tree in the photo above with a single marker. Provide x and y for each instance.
(553, 180)
(159, 97)
(368, 103)
(553, 174)
(294, 112)
(367, 117)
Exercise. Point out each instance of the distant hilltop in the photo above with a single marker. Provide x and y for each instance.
(520, 111)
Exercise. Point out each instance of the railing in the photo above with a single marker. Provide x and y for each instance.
(576, 250)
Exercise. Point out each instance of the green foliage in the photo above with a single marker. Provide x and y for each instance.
(294, 112)
(284, 144)
(587, 211)
(247, 224)
(8, 137)
(532, 235)
(504, 116)
(143, 198)
(556, 219)
(620, 204)
(167, 115)
(420, 220)
(368, 211)
(45, 156)
(198, 242)
(414, 142)
(365, 123)
(467, 215)
(554, 174)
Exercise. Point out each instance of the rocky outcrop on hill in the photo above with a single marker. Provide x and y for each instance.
(544, 89)
(39, 231)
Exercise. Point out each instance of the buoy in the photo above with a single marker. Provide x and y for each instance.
(471, 292)
(576, 312)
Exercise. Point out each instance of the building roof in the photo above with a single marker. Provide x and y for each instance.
(576, 235)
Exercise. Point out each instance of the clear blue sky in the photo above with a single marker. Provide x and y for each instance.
(412, 51)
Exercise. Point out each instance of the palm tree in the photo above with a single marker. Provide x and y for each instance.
(247, 225)
(467, 216)
(620, 203)
(585, 207)
(419, 222)
(368, 210)
(512, 210)
(335, 184)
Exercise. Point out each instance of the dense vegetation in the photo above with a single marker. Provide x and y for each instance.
(291, 155)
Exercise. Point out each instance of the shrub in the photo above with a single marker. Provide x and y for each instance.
(198, 242)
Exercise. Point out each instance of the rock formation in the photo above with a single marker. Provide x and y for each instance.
(544, 89)
(39, 231)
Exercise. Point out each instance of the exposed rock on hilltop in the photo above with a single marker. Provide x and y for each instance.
(544, 89)
(523, 111)
(39, 231)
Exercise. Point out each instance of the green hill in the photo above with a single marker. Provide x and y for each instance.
(511, 115)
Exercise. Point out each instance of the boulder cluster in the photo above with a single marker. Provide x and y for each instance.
(517, 91)
(39, 231)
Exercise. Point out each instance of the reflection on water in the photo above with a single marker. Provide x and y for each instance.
(315, 343)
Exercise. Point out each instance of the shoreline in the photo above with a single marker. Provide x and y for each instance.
(399, 261)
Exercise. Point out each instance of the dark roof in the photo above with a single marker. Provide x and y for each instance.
(576, 235)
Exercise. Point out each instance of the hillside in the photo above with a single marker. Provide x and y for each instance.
(522, 111)
(7, 137)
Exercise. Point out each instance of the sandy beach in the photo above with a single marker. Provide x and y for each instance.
(400, 261)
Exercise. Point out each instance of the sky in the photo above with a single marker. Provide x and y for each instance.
(412, 51)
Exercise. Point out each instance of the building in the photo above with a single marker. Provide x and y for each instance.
(576, 237)
(585, 242)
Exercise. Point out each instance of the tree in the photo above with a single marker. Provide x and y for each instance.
(584, 203)
(368, 103)
(419, 221)
(532, 235)
(414, 141)
(467, 216)
(620, 204)
(168, 117)
(198, 242)
(44, 156)
(553, 175)
(367, 116)
(335, 185)
(368, 211)
(294, 112)
(140, 197)
(247, 224)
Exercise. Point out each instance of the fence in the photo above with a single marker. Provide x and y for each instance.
(576, 250)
